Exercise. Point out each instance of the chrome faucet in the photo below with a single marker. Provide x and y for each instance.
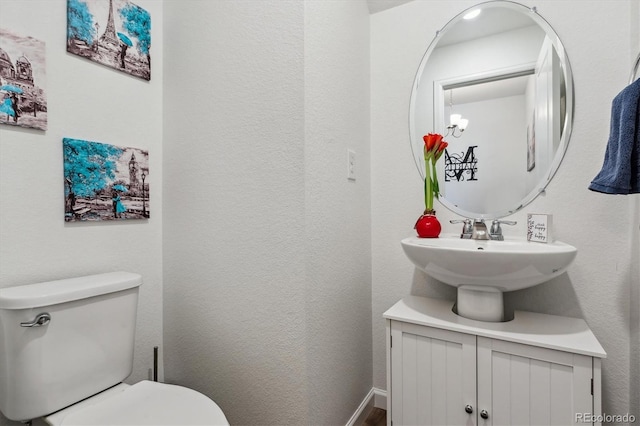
(479, 230)
(496, 230)
(476, 229)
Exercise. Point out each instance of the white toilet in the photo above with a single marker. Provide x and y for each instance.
(67, 345)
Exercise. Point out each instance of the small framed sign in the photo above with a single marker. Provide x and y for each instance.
(539, 227)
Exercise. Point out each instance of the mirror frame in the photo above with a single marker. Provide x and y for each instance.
(565, 135)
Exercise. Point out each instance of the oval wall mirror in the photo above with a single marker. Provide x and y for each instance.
(498, 86)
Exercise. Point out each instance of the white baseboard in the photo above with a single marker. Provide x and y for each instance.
(380, 398)
(375, 398)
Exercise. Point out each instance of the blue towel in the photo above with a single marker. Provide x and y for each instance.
(620, 172)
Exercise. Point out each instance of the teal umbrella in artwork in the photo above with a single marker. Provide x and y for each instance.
(120, 188)
(11, 88)
(126, 40)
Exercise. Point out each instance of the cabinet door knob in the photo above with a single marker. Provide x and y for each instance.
(484, 414)
(468, 408)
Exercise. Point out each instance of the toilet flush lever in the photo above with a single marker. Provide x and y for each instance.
(41, 319)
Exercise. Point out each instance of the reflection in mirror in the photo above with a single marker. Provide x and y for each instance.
(500, 87)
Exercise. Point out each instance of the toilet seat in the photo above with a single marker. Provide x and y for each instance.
(146, 403)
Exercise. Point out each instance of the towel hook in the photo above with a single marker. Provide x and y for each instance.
(634, 71)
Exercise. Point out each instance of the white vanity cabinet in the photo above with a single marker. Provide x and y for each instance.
(443, 369)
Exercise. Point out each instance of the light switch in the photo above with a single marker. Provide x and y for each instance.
(351, 165)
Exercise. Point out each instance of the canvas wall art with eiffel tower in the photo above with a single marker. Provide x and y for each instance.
(115, 33)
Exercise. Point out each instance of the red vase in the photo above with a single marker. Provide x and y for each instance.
(428, 225)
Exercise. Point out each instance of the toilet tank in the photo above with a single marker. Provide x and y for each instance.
(86, 347)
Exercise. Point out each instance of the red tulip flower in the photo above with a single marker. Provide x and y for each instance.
(434, 146)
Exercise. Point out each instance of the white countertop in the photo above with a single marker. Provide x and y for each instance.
(529, 328)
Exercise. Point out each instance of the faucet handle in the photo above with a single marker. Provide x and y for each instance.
(467, 228)
(497, 222)
(496, 230)
(506, 222)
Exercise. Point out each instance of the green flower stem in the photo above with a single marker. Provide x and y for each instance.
(428, 185)
(436, 185)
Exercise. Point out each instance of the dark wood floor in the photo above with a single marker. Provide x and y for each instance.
(377, 417)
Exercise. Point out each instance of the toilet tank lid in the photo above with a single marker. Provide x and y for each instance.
(66, 290)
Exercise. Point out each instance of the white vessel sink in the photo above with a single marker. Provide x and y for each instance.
(483, 270)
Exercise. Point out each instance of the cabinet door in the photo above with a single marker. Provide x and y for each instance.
(524, 385)
(433, 376)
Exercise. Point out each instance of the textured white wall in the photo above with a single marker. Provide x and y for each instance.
(597, 286)
(338, 228)
(234, 206)
(86, 101)
(267, 249)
